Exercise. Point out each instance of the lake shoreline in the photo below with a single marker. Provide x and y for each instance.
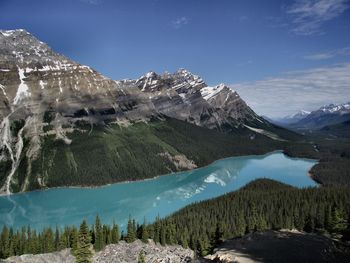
(170, 174)
(147, 199)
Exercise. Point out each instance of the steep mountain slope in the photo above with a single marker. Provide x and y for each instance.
(43, 93)
(63, 123)
(341, 130)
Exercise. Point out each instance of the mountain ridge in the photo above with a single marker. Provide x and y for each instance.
(46, 98)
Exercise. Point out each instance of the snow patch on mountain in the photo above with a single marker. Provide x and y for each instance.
(209, 92)
(266, 133)
(336, 108)
(22, 90)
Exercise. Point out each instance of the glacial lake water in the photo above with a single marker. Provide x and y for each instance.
(147, 199)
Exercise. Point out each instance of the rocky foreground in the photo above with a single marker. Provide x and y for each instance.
(288, 246)
(116, 253)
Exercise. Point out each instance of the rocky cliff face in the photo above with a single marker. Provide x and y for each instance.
(187, 97)
(44, 94)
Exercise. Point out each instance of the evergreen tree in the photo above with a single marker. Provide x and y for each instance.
(98, 234)
(115, 233)
(83, 253)
(5, 250)
(74, 239)
(57, 239)
(338, 221)
(162, 235)
(144, 232)
(63, 241)
(131, 231)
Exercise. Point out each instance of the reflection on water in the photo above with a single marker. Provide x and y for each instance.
(160, 196)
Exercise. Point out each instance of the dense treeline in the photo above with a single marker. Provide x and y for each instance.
(28, 241)
(105, 154)
(263, 204)
(333, 168)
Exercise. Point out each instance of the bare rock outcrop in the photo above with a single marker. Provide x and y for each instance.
(116, 253)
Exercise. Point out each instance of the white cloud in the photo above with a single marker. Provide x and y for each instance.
(308, 90)
(309, 15)
(179, 22)
(329, 54)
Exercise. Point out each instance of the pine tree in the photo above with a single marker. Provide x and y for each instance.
(98, 233)
(5, 243)
(144, 232)
(115, 233)
(162, 235)
(74, 238)
(240, 224)
(338, 223)
(83, 253)
(57, 239)
(131, 231)
(63, 241)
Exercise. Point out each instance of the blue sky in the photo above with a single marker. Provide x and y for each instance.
(243, 43)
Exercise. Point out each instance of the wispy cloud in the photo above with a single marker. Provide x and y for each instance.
(329, 54)
(309, 15)
(309, 89)
(179, 22)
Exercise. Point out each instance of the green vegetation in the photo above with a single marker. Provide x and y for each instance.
(333, 168)
(131, 231)
(28, 241)
(83, 253)
(263, 204)
(114, 153)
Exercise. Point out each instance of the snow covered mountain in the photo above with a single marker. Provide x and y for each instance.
(46, 97)
(292, 118)
(326, 115)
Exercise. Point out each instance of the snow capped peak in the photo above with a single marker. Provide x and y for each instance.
(299, 114)
(151, 74)
(187, 74)
(336, 108)
(183, 71)
(210, 92)
(221, 85)
(304, 112)
(9, 33)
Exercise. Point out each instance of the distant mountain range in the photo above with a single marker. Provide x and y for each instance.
(291, 118)
(63, 123)
(332, 120)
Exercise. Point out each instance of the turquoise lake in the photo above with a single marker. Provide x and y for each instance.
(147, 199)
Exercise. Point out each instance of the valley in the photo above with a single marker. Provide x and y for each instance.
(164, 158)
(148, 199)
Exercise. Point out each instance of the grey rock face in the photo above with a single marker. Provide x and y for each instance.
(42, 93)
(125, 253)
(187, 97)
(63, 256)
(116, 253)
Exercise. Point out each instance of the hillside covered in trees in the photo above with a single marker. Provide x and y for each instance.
(261, 205)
